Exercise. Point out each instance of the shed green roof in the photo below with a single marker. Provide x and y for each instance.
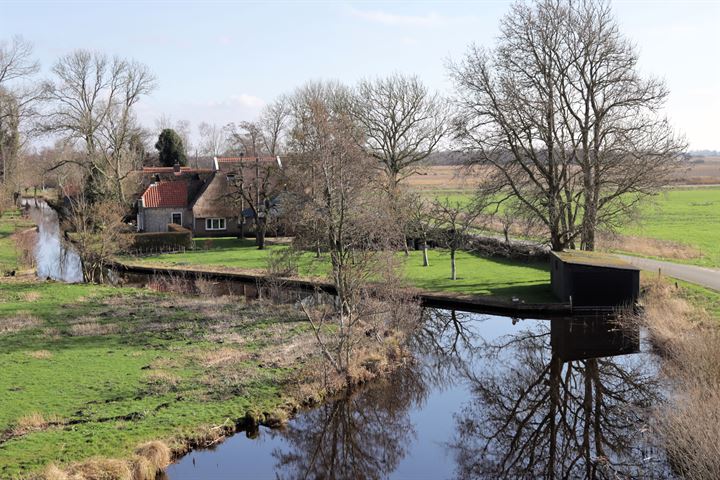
(593, 259)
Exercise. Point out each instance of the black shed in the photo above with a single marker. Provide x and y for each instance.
(594, 279)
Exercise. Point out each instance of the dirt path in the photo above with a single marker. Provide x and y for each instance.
(706, 277)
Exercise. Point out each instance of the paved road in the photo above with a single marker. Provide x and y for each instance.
(707, 277)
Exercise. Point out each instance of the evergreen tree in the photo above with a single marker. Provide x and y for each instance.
(170, 148)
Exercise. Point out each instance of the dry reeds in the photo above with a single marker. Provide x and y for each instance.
(156, 453)
(148, 460)
(689, 342)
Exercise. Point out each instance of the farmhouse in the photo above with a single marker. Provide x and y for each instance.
(203, 200)
(593, 279)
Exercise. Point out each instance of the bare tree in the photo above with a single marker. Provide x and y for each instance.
(338, 207)
(213, 139)
(563, 121)
(256, 184)
(452, 222)
(97, 232)
(247, 138)
(420, 224)
(402, 123)
(18, 99)
(92, 100)
(273, 123)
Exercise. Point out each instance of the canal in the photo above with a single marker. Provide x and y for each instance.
(486, 397)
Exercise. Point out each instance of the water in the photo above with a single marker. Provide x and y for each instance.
(488, 398)
(53, 259)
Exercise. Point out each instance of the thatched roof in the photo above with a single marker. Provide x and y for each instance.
(214, 200)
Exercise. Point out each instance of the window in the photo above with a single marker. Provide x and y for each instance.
(176, 218)
(214, 224)
(230, 177)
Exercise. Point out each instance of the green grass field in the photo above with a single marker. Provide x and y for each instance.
(476, 275)
(89, 371)
(688, 216)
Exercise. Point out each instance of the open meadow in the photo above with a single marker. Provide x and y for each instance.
(681, 224)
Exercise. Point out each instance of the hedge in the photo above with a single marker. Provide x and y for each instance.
(176, 238)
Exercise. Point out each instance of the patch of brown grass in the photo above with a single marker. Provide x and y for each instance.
(32, 422)
(101, 469)
(18, 322)
(221, 356)
(30, 296)
(149, 459)
(41, 354)
(648, 247)
(157, 454)
(159, 382)
(92, 329)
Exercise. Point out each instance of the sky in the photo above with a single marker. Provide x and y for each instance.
(221, 61)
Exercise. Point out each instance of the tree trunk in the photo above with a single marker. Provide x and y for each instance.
(260, 228)
(426, 262)
(452, 264)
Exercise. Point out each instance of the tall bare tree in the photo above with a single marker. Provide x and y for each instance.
(339, 209)
(18, 100)
(562, 121)
(213, 139)
(92, 99)
(273, 123)
(402, 123)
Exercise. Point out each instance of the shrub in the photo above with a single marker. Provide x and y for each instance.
(176, 238)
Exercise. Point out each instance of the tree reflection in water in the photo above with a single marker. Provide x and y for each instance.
(547, 400)
(534, 415)
(362, 436)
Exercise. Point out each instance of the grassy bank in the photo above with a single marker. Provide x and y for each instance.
(10, 223)
(91, 372)
(476, 275)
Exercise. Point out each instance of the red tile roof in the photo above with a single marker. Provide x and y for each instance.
(166, 194)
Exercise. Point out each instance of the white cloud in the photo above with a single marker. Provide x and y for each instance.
(246, 100)
(431, 19)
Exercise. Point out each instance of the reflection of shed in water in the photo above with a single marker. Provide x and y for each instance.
(594, 279)
(581, 338)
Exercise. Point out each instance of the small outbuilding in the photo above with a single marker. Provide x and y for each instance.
(594, 279)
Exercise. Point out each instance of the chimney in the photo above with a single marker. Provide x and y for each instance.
(176, 167)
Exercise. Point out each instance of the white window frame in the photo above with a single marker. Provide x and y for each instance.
(181, 218)
(209, 223)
